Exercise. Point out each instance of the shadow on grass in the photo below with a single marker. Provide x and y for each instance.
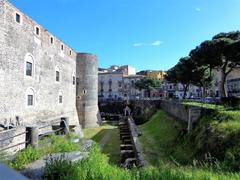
(109, 139)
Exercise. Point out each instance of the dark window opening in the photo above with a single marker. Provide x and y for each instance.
(29, 69)
(51, 40)
(62, 47)
(37, 31)
(60, 99)
(18, 18)
(70, 52)
(57, 76)
(73, 80)
(119, 84)
(30, 100)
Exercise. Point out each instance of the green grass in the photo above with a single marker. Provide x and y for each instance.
(159, 139)
(97, 167)
(112, 146)
(47, 146)
(97, 133)
(205, 105)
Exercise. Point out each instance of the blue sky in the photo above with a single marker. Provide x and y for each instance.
(147, 34)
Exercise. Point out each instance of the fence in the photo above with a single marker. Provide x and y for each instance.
(14, 140)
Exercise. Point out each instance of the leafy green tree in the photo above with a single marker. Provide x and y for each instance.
(221, 53)
(147, 84)
(183, 72)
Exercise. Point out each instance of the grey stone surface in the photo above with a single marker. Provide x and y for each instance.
(181, 111)
(87, 90)
(9, 174)
(13, 140)
(137, 143)
(19, 43)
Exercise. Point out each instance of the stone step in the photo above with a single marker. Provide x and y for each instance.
(125, 138)
(129, 162)
(126, 151)
(126, 141)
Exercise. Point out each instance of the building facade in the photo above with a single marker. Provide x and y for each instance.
(117, 83)
(40, 75)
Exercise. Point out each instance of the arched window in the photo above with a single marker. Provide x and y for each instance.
(57, 70)
(29, 65)
(60, 97)
(30, 97)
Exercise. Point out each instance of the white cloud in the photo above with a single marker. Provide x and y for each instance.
(154, 43)
(137, 44)
(198, 9)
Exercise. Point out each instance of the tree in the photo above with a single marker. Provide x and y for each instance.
(183, 72)
(221, 53)
(147, 83)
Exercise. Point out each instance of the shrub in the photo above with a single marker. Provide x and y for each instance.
(58, 168)
(232, 102)
(48, 145)
(141, 119)
(24, 157)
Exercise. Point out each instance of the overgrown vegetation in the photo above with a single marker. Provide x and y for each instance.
(48, 145)
(159, 138)
(214, 142)
(145, 116)
(97, 167)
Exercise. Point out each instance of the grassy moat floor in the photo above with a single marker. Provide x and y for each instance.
(107, 136)
(158, 140)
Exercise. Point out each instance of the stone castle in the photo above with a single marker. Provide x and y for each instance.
(42, 78)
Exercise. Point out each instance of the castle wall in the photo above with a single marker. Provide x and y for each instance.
(19, 43)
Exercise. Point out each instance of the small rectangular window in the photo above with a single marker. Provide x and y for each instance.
(18, 18)
(60, 99)
(51, 40)
(30, 100)
(62, 47)
(70, 52)
(37, 31)
(29, 69)
(57, 76)
(73, 80)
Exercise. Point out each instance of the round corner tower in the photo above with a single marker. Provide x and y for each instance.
(87, 90)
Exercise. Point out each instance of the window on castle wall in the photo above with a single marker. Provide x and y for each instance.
(119, 84)
(29, 69)
(51, 40)
(70, 52)
(74, 79)
(30, 100)
(57, 76)
(30, 97)
(37, 31)
(60, 100)
(62, 48)
(18, 18)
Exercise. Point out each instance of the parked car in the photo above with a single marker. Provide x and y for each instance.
(212, 99)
